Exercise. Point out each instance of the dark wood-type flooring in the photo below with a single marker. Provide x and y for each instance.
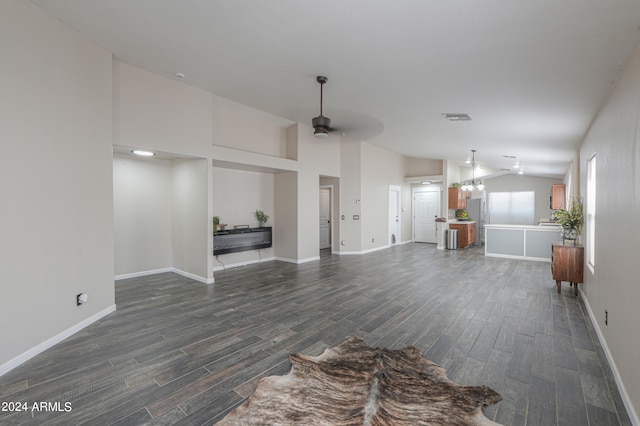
(178, 352)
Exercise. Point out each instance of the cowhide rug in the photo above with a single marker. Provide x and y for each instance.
(354, 384)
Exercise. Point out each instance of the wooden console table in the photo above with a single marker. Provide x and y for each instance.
(567, 264)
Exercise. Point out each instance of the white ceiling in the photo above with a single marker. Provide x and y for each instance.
(531, 73)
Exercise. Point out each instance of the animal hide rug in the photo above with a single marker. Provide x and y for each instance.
(354, 384)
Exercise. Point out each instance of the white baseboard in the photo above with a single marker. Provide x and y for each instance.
(348, 253)
(297, 261)
(163, 270)
(192, 276)
(38, 349)
(244, 263)
(631, 411)
(142, 273)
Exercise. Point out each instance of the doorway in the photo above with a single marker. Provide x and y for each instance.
(325, 217)
(426, 205)
(394, 215)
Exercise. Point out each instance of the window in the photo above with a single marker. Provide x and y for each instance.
(591, 212)
(512, 208)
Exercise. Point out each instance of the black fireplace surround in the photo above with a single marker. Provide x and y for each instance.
(236, 240)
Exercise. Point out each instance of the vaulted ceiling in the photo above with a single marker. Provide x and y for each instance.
(532, 74)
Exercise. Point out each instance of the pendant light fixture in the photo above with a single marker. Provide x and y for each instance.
(473, 183)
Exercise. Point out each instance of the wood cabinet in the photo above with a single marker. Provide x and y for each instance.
(466, 233)
(558, 195)
(457, 199)
(567, 264)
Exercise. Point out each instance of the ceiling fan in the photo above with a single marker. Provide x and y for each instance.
(321, 124)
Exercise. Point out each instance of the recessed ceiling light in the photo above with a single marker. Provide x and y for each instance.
(454, 116)
(521, 172)
(143, 153)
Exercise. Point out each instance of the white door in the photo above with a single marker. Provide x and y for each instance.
(394, 215)
(426, 205)
(325, 218)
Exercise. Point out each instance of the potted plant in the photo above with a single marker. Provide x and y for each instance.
(216, 221)
(571, 220)
(261, 217)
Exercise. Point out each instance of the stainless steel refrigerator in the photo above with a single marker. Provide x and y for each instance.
(477, 210)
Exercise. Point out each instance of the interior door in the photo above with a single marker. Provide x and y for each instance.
(426, 205)
(325, 218)
(394, 215)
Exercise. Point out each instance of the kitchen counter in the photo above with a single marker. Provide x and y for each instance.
(530, 242)
(460, 221)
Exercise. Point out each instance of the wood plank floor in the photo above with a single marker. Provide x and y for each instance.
(178, 352)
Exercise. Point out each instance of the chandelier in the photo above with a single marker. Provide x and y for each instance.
(470, 185)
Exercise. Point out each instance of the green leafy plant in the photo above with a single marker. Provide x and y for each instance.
(216, 221)
(572, 218)
(261, 217)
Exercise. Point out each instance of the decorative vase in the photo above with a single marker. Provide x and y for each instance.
(570, 234)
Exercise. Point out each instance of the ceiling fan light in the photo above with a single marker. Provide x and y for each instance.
(480, 186)
(321, 132)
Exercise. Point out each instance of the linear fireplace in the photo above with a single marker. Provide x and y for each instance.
(236, 240)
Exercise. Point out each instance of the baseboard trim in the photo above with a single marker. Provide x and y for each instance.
(163, 270)
(349, 253)
(240, 264)
(142, 273)
(192, 276)
(297, 261)
(631, 411)
(41, 347)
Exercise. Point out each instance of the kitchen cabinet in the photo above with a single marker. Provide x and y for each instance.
(466, 233)
(567, 264)
(558, 201)
(457, 199)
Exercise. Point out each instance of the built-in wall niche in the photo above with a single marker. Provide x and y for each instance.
(244, 239)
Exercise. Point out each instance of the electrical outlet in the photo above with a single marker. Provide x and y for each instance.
(606, 317)
(81, 298)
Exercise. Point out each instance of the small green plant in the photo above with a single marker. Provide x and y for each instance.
(216, 221)
(261, 217)
(572, 218)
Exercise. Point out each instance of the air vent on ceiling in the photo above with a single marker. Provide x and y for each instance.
(457, 116)
(513, 157)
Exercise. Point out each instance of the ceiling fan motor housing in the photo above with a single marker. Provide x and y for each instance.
(321, 123)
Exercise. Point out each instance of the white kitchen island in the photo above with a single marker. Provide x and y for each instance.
(529, 242)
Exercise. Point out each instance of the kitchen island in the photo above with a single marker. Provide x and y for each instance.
(529, 242)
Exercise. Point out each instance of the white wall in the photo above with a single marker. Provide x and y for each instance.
(317, 157)
(160, 114)
(190, 217)
(56, 223)
(285, 229)
(350, 195)
(142, 214)
(380, 168)
(244, 128)
(613, 284)
(516, 183)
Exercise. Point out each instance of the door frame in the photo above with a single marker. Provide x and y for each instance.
(436, 187)
(398, 189)
(332, 204)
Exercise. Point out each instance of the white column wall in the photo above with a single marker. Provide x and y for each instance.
(56, 212)
(613, 284)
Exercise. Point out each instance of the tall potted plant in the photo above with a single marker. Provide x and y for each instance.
(571, 220)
